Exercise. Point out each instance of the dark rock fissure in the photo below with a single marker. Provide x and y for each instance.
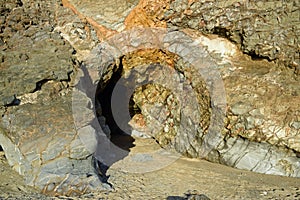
(19, 3)
(228, 34)
(239, 41)
(255, 56)
(104, 94)
(133, 108)
(223, 32)
(14, 102)
(69, 74)
(39, 85)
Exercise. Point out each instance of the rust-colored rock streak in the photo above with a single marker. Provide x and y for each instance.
(102, 31)
(148, 13)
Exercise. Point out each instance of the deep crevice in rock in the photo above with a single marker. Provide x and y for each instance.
(14, 102)
(39, 85)
(222, 32)
(255, 56)
(228, 34)
(104, 95)
(69, 74)
(20, 3)
(152, 104)
(133, 108)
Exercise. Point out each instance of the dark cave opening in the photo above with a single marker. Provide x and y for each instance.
(104, 96)
(223, 32)
(256, 56)
(2, 152)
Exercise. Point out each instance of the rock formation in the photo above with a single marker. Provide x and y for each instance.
(218, 81)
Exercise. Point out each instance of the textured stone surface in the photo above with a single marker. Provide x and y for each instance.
(37, 127)
(262, 29)
(241, 104)
(40, 55)
(256, 112)
(164, 183)
(148, 14)
(253, 126)
(43, 146)
(106, 13)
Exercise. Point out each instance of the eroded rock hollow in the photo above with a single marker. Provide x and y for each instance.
(81, 81)
(201, 126)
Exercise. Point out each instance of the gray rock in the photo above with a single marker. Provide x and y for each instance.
(42, 143)
(296, 125)
(240, 108)
(51, 156)
(190, 195)
(142, 158)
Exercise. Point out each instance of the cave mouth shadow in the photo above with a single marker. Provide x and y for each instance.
(105, 117)
(104, 96)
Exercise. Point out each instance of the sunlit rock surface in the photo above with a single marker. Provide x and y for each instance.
(43, 44)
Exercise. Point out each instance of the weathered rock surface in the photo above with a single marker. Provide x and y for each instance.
(44, 147)
(262, 29)
(39, 55)
(37, 126)
(171, 182)
(106, 13)
(226, 135)
(242, 115)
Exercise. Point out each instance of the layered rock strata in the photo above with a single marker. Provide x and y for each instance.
(237, 111)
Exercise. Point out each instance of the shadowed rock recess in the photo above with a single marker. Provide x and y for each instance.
(217, 81)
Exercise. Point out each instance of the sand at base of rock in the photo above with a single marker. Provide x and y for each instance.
(213, 180)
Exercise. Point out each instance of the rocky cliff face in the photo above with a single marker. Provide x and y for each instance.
(260, 29)
(210, 80)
